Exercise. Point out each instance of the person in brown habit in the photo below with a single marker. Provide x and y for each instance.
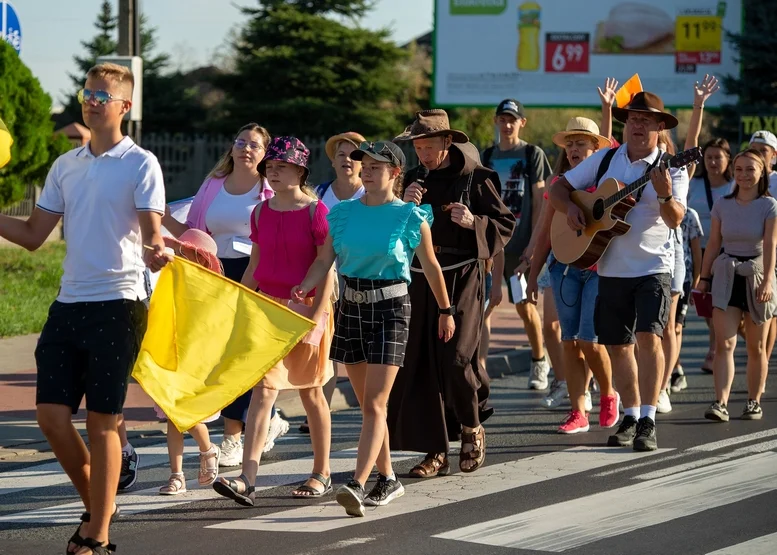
(440, 393)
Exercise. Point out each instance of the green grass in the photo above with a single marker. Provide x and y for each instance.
(29, 282)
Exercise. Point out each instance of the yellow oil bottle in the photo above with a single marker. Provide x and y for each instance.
(528, 55)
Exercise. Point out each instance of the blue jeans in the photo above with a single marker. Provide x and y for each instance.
(489, 282)
(575, 295)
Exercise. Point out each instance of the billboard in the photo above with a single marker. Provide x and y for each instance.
(554, 53)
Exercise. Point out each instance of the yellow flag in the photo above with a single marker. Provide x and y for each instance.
(5, 144)
(629, 89)
(209, 340)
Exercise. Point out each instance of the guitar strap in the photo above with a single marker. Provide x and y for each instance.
(661, 156)
(708, 190)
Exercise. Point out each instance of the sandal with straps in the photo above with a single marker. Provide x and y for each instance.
(305, 491)
(98, 548)
(209, 466)
(435, 464)
(176, 484)
(238, 490)
(76, 537)
(478, 453)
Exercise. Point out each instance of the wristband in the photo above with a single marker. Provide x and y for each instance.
(708, 280)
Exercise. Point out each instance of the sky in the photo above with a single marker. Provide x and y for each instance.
(193, 32)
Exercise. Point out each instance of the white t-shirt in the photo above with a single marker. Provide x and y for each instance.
(329, 199)
(697, 199)
(647, 248)
(99, 198)
(773, 184)
(229, 221)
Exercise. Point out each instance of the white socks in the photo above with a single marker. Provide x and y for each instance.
(128, 449)
(649, 411)
(633, 412)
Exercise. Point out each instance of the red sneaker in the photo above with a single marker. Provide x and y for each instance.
(575, 423)
(608, 410)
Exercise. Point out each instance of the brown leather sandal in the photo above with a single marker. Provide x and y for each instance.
(435, 464)
(478, 453)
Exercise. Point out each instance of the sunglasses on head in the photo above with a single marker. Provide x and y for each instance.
(252, 145)
(381, 148)
(100, 97)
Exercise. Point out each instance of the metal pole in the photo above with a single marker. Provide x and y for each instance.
(137, 51)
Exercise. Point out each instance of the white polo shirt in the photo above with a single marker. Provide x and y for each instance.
(647, 248)
(99, 198)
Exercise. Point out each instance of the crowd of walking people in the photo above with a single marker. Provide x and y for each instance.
(400, 269)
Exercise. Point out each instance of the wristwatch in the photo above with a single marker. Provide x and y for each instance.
(451, 310)
(664, 200)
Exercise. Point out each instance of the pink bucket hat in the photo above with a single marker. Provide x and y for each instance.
(196, 246)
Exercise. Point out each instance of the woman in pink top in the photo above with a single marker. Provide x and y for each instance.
(222, 208)
(287, 232)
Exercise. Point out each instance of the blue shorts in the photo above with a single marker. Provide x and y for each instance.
(575, 295)
(489, 283)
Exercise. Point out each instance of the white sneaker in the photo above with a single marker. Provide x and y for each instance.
(589, 405)
(231, 452)
(558, 396)
(664, 405)
(538, 375)
(278, 427)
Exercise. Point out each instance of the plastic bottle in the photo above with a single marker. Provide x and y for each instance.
(528, 55)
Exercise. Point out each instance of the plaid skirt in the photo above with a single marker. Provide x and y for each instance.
(374, 333)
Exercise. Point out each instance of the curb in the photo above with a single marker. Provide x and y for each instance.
(500, 364)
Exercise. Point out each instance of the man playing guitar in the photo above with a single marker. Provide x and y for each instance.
(635, 270)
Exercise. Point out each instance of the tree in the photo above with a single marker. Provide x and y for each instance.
(756, 85)
(103, 44)
(26, 112)
(301, 71)
(167, 104)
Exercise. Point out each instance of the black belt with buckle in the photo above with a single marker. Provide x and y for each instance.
(453, 250)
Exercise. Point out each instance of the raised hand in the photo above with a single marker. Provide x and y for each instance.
(701, 92)
(608, 94)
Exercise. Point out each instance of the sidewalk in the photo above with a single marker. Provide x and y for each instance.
(19, 432)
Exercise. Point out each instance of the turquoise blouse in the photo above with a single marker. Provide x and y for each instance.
(377, 242)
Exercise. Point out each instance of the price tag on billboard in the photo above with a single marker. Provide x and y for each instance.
(567, 52)
(698, 33)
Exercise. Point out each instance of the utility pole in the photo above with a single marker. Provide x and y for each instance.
(129, 45)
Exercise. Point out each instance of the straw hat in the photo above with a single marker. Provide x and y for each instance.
(351, 136)
(581, 126)
(198, 247)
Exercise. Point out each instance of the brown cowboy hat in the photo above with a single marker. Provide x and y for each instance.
(645, 102)
(431, 123)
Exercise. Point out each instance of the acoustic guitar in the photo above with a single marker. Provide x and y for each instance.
(605, 213)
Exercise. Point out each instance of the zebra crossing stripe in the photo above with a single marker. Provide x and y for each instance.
(765, 545)
(270, 476)
(429, 494)
(603, 515)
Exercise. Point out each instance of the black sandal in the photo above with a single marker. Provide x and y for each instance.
(76, 537)
(231, 490)
(97, 547)
(310, 491)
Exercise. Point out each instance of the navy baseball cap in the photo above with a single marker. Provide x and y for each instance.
(512, 107)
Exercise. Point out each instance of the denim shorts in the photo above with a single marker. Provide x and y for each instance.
(489, 283)
(575, 295)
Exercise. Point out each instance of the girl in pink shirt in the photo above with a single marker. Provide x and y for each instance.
(287, 232)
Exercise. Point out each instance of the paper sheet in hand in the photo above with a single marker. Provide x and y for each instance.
(518, 288)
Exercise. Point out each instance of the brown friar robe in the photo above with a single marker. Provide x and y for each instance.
(440, 386)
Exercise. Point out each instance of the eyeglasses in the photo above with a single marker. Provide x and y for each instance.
(252, 145)
(100, 97)
(381, 148)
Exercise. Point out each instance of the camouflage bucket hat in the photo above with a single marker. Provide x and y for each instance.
(287, 149)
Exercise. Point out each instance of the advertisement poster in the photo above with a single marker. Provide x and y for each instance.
(750, 123)
(556, 52)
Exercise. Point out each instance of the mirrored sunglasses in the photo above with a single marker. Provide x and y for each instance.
(252, 145)
(100, 97)
(380, 148)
